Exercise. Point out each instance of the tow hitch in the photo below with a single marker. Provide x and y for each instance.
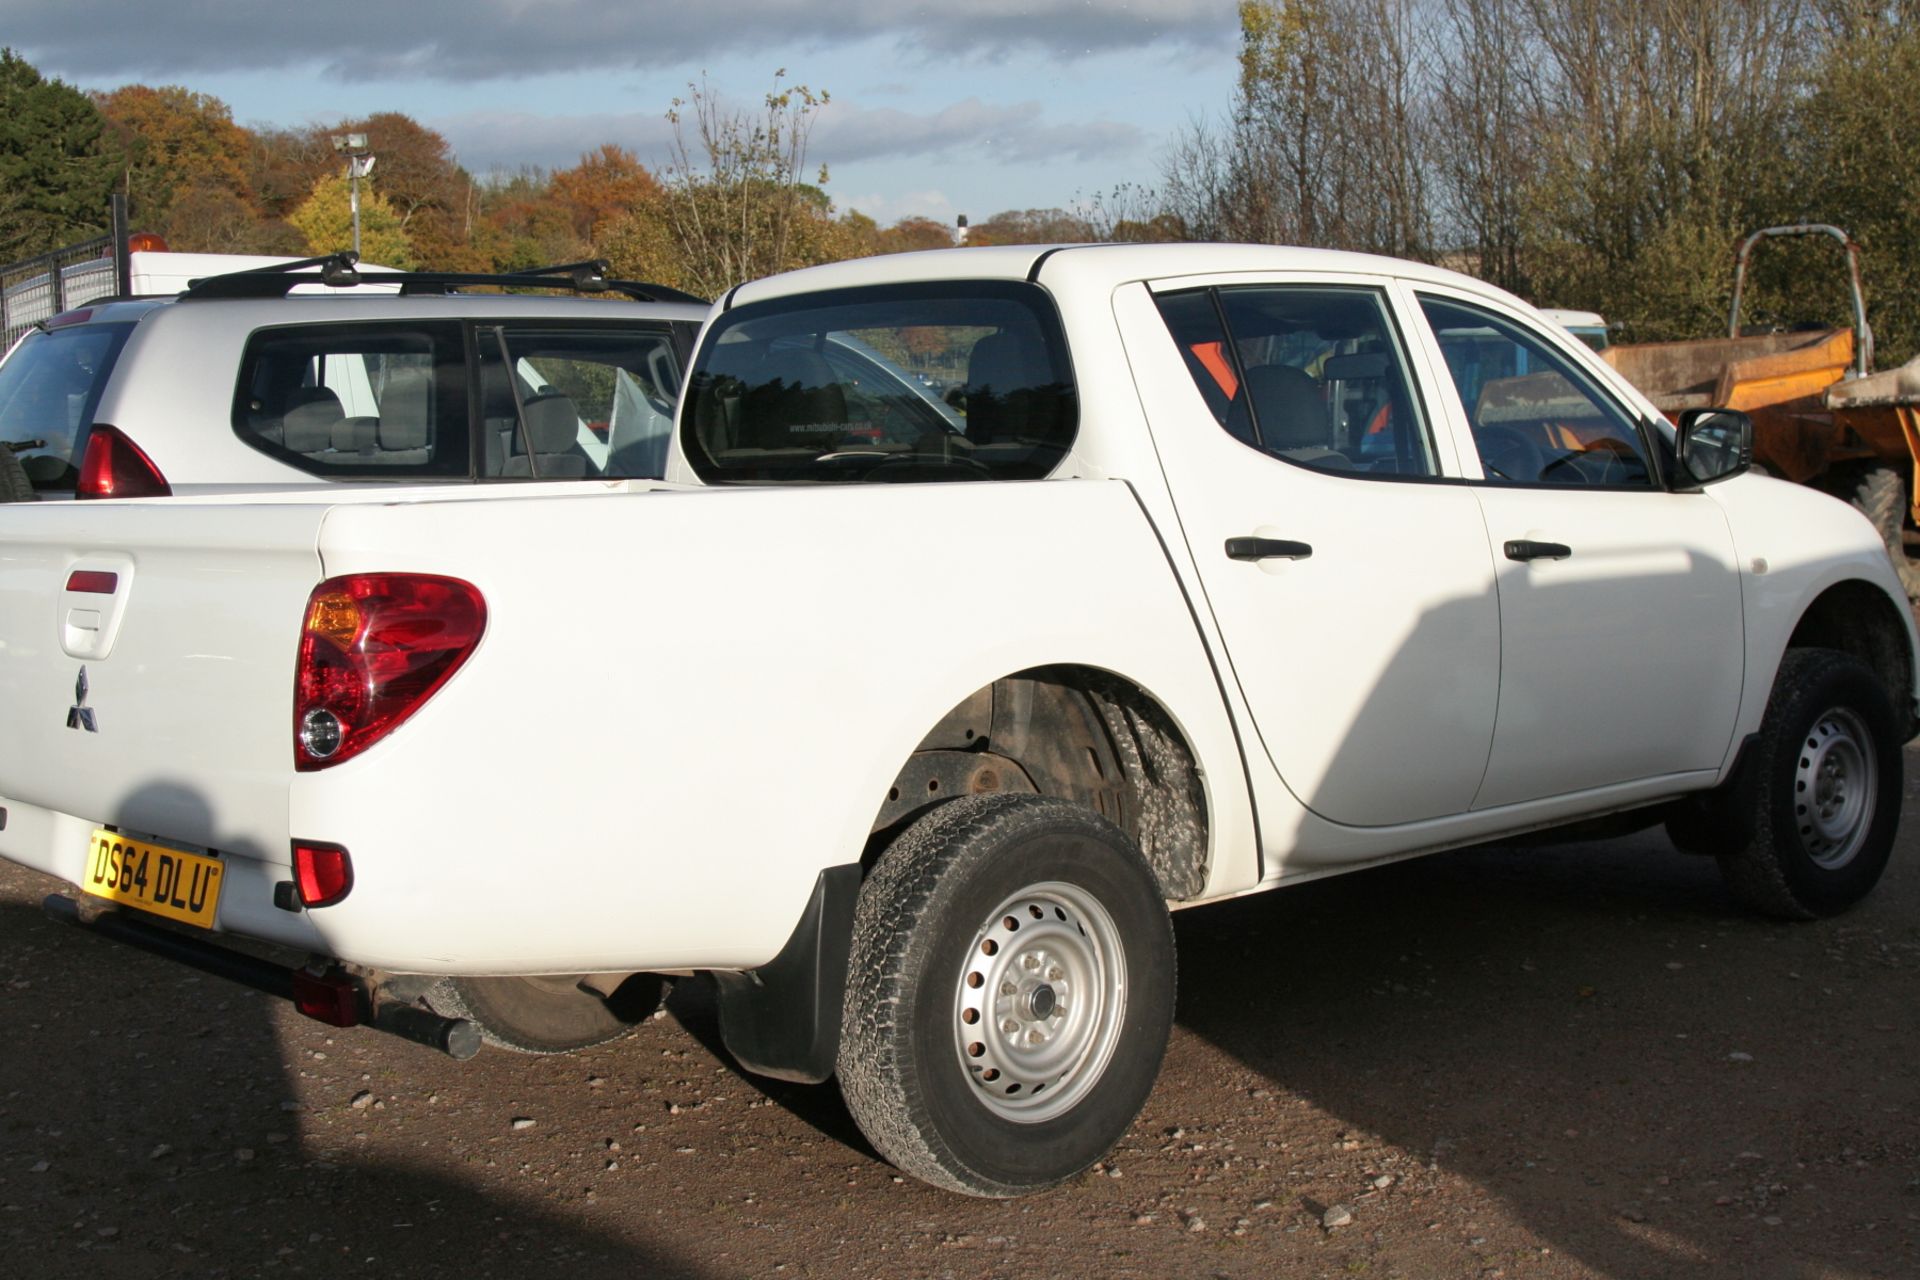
(331, 995)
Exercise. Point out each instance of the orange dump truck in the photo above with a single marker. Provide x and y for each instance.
(1821, 416)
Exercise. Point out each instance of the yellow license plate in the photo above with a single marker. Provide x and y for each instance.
(167, 882)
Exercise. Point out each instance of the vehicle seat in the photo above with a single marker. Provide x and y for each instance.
(1292, 414)
(553, 429)
(405, 416)
(311, 416)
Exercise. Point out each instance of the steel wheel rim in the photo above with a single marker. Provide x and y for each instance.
(1040, 1002)
(1834, 785)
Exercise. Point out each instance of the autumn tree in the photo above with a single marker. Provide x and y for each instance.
(181, 148)
(431, 195)
(607, 184)
(56, 163)
(1031, 226)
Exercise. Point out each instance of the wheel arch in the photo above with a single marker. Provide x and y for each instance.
(1076, 732)
(1858, 618)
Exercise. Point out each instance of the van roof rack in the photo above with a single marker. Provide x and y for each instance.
(341, 271)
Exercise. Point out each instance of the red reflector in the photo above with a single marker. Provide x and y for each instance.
(329, 998)
(97, 581)
(115, 467)
(323, 872)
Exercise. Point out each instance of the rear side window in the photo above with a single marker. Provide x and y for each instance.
(572, 403)
(1313, 375)
(963, 381)
(49, 388)
(357, 400)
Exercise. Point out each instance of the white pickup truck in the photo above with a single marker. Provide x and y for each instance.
(995, 602)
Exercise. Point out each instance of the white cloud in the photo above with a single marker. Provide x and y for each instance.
(845, 133)
(1013, 132)
(466, 40)
(887, 210)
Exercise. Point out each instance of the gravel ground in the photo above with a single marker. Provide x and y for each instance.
(1579, 1061)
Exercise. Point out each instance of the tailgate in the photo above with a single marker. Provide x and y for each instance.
(146, 671)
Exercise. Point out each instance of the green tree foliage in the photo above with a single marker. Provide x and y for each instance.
(326, 221)
(56, 165)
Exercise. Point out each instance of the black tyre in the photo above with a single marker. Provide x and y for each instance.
(1880, 495)
(1010, 994)
(14, 485)
(547, 1015)
(1823, 785)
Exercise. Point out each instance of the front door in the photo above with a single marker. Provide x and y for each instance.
(1600, 568)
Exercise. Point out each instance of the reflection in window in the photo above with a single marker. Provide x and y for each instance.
(1312, 375)
(891, 384)
(1535, 418)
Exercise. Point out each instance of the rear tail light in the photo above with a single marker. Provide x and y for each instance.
(323, 872)
(115, 467)
(375, 647)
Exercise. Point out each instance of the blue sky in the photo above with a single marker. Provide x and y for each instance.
(936, 109)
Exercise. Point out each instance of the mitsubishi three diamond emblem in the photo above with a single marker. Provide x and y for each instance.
(80, 715)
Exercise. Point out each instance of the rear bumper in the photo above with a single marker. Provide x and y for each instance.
(330, 995)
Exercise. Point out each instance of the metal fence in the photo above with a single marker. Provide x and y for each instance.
(35, 289)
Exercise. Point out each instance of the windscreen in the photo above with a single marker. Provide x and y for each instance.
(897, 383)
(49, 387)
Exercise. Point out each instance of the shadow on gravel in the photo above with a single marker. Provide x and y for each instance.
(146, 1130)
(1658, 1084)
(694, 1005)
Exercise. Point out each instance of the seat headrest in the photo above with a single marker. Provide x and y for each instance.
(312, 413)
(1288, 406)
(553, 423)
(405, 407)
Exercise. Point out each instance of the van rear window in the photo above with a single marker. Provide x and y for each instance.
(49, 388)
(888, 384)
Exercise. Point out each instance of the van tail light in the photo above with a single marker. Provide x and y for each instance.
(322, 872)
(115, 467)
(374, 648)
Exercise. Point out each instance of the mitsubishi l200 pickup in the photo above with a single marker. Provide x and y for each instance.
(994, 603)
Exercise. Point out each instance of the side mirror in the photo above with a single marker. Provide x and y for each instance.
(1714, 444)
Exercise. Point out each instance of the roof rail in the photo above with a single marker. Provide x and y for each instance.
(340, 271)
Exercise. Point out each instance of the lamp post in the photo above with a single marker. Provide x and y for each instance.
(359, 164)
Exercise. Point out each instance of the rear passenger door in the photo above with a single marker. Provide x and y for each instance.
(1345, 564)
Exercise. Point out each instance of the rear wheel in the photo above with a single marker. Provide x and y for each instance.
(547, 1014)
(1823, 794)
(1880, 495)
(1011, 994)
(14, 484)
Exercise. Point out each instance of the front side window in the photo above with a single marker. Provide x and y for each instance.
(572, 403)
(1313, 375)
(377, 401)
(895, 383)
(1535, 418)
